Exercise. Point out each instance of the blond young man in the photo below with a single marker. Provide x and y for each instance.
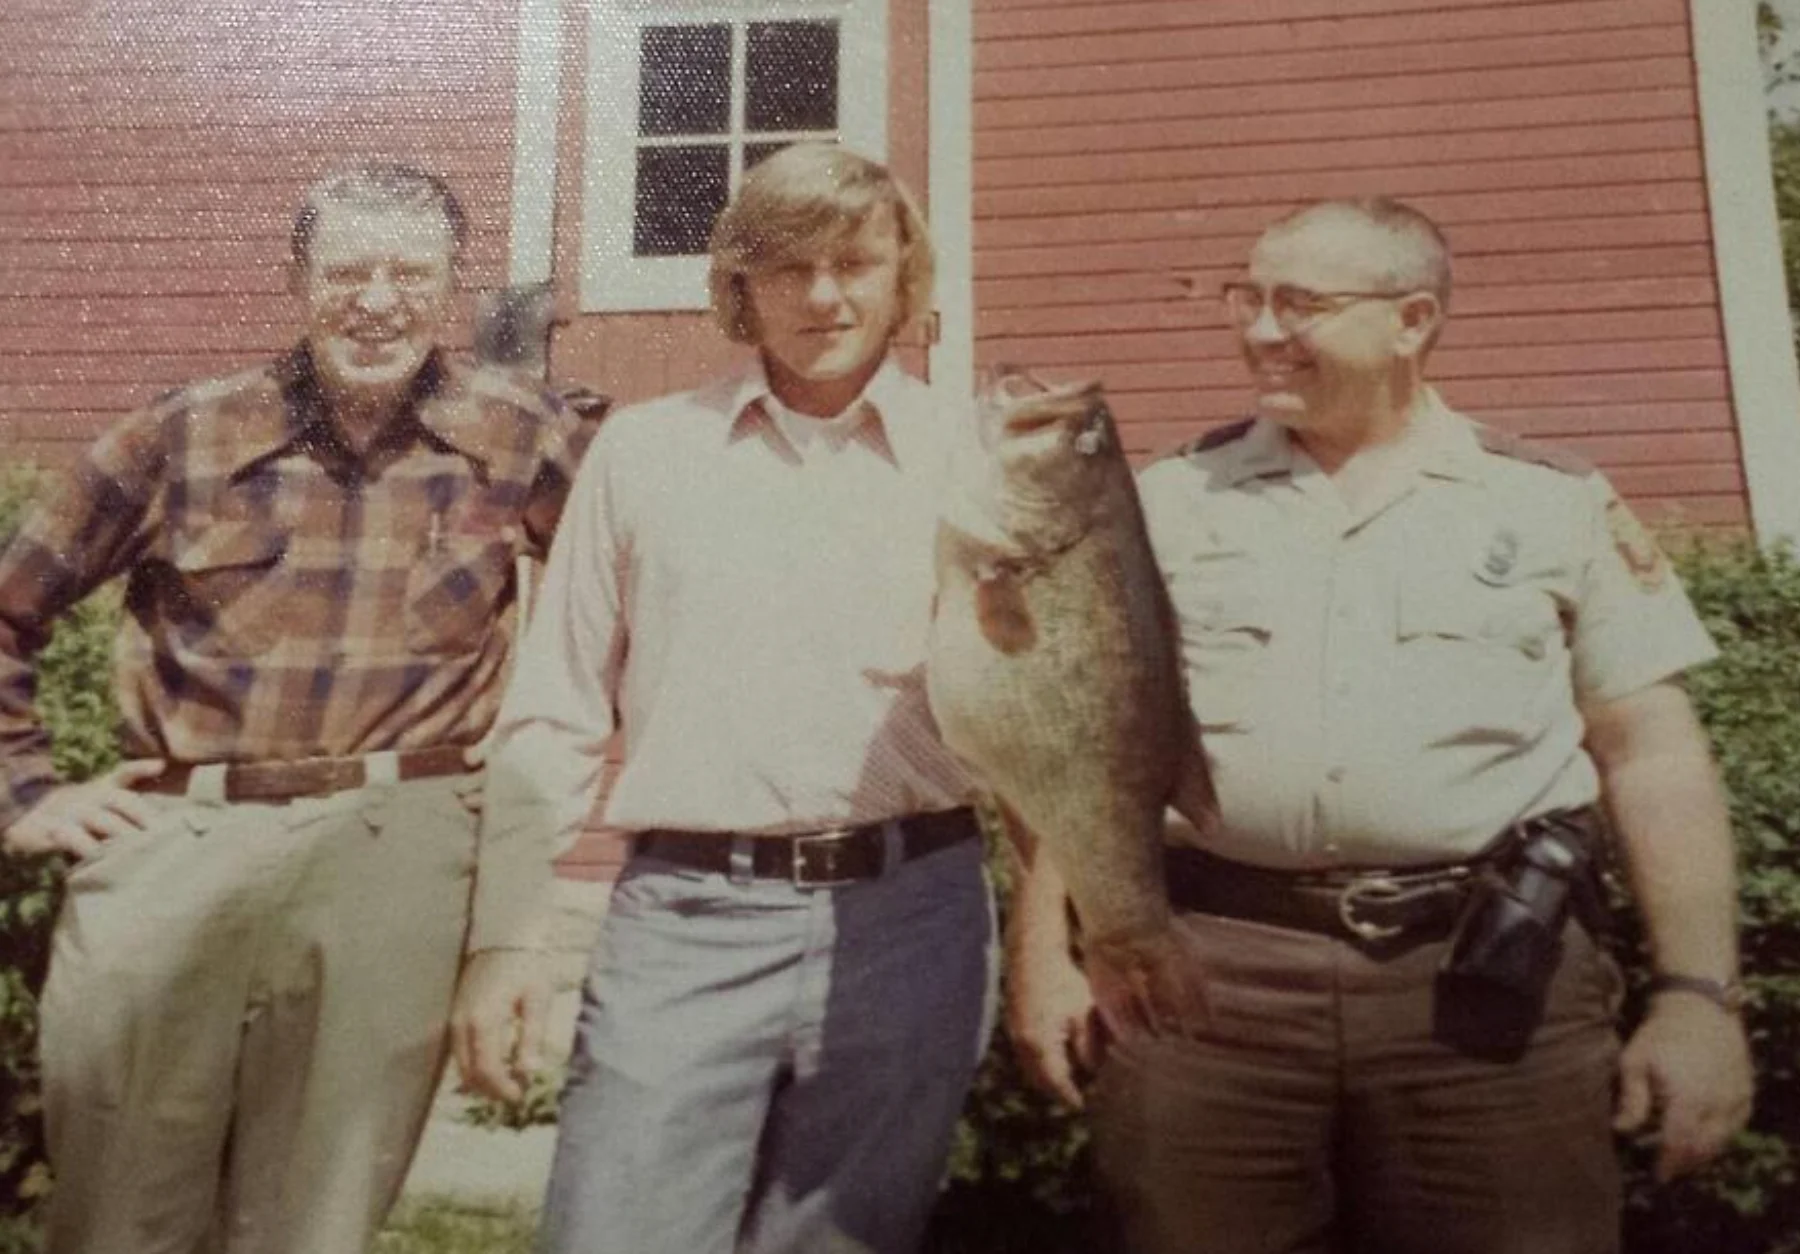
(243, 1023)
(788, 999)
(1422, 654)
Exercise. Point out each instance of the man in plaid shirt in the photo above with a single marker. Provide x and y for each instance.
(244, 1020)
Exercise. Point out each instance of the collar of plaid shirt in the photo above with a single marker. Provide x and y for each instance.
(305, 417)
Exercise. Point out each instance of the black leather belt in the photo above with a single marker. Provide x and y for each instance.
(840, 855)
(312, 777)
(1364, 905)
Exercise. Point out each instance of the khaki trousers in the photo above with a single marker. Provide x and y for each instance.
(1320, 1110)
(243, 1025)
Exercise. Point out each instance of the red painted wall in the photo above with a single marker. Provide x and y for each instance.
(1128, 153)
(152, 155)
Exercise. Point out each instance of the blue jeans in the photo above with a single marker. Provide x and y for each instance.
(764, 1068)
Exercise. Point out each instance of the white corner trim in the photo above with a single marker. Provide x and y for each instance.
(951, 138)
(532, 243)
(1759, 346)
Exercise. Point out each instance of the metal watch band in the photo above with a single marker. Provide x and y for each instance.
(1727, 995)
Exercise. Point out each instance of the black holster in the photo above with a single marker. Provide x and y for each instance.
(1508, 939)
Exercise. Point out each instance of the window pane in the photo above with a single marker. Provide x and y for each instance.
(680, 191)
(755, 154)
(684, 83)
(791, 76)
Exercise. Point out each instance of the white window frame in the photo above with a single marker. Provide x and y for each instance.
(612, 279)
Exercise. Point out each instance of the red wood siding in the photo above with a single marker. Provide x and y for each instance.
(151, 158)
(1127, 154)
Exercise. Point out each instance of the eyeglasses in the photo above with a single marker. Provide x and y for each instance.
(407, 282)
(1295, 308)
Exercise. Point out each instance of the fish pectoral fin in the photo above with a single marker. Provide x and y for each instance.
(1004, 615)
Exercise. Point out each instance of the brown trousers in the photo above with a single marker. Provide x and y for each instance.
(1318, 1112)
(243, 1025)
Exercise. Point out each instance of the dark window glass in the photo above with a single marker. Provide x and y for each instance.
(791, 76)
(756, 154)
(685, 80)
(680, 191)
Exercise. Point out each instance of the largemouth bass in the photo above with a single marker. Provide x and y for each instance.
(1054, 672)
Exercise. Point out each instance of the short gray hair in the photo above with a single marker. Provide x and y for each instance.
(1421, 259)
(386, 185)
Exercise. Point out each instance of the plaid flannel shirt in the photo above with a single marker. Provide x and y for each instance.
(284, 596)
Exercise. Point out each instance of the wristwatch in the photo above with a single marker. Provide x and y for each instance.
(1727, 995)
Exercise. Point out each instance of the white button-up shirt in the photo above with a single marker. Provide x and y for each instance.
(745, 594)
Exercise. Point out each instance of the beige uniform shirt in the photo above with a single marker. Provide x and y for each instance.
(1398, 685)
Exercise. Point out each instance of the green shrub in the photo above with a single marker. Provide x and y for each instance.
(1018, 1179)
(1018, 1170)
(76, 701)
(1748, 1203)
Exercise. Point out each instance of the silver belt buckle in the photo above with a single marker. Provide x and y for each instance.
(1377, 887)
(824, 850)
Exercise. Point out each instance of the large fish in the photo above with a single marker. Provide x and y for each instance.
(1054, 672)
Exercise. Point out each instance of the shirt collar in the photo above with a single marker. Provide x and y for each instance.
(304, 411)
(1441, 444)
(751, 400)
(1447, 447)
(1263, 452)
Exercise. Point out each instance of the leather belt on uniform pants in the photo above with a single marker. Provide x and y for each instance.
(1368, 906)
(315, 777)
(841, 855)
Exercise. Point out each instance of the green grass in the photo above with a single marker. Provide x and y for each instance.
(449, 1225)
(426, 1225)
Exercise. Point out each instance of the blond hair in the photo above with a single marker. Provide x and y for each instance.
(796, 206)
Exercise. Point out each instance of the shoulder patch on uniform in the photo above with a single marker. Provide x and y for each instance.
(1636, 547)
(1506, 444)
(1218, 437)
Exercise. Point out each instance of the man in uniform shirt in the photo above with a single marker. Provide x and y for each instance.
(788, 999)
(244, 1018)
(1417, 648)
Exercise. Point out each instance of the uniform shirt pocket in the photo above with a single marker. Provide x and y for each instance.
(1478, 654)
(454, 592)
(231, 581)
(1519, 621)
